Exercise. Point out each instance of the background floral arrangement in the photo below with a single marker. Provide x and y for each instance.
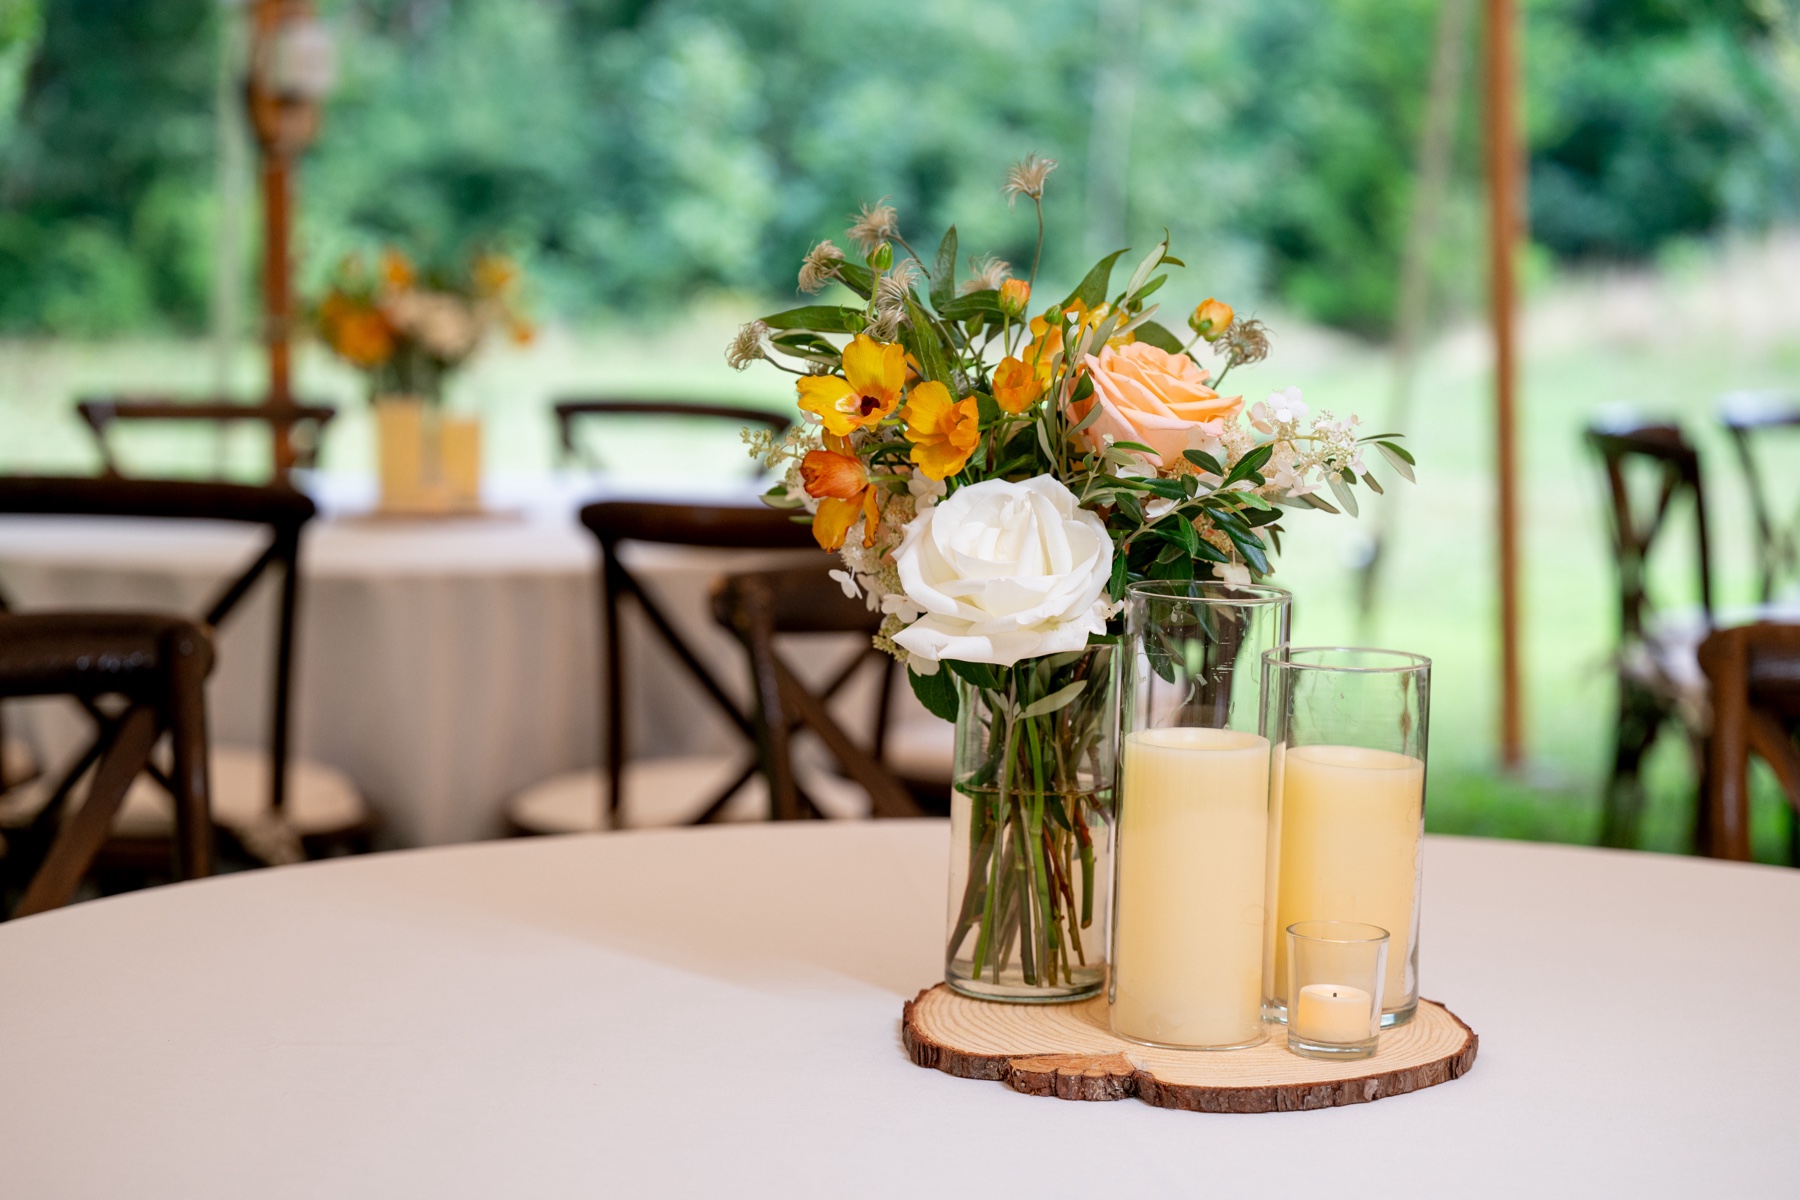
(407, 329)
(995, 476)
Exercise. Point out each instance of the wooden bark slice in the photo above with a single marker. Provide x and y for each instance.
(1067, 1051)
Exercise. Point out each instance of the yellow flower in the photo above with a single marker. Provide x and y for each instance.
(874, 373)
(1017, 386)
(1210, 319)
(944, 432)
(840, 482)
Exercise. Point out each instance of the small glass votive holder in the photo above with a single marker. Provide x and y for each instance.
(1335, 977)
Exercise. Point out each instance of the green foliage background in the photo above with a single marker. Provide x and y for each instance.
(642, 152)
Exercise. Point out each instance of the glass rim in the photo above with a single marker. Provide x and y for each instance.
(1298, 928)
(1404, 661)
(1251, 594)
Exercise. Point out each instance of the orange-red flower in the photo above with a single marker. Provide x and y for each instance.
(944, 432)
(1015, 294)
(840, 482)
(1210, 319)
(874, 373)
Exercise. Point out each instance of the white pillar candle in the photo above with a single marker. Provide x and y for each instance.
(1192, 859)
(1349, 848)
(1333, 1013)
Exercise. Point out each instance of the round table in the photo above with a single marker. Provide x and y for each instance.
(716, 1012)
(442, 665)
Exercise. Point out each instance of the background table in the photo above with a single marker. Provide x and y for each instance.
(716, 1012)
(442, 665)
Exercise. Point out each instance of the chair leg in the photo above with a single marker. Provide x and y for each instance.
(1640, 719)
(80, 839)
(187, 733)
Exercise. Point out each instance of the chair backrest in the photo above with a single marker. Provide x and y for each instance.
(306, 421)
(1754, 677)
(573, 413)
(713, 526)
(284, 513)
(1751, 417)
(757, 606)
(1639, 516)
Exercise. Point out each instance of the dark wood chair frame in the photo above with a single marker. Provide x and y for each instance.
(101, 413)
(574, 412)
(1642, 711)
(158, 665)
(1777, 541)
(1754, 671)
(758, 606)
(283, 512)
(732, 527)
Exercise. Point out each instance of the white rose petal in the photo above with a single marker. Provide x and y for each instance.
(1004, 571)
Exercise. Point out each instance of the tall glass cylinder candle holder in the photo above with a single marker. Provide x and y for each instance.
(1349, 731)
(1193, 836)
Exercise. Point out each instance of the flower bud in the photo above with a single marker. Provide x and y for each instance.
(1210, 319)
(1015, 294)
(882, 257)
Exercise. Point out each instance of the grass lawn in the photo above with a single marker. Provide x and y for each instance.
(1665, 342)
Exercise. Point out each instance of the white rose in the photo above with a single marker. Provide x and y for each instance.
(1004, 571)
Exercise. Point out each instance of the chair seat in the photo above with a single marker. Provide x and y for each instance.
(667, 791)
(20, 761)
(321, 802)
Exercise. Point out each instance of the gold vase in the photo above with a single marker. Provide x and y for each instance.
(429, 461)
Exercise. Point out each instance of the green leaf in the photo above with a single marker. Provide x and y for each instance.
(1345, 497)
(1159, 337)
(1249, 465)
(988, 407)
(1133, 446)
(820, 318)
(936, 692)
(1060, 698)
(857, 279)
(1369, 478)
(1092, 288)
(1150, 287)
(982, 675)
(1397, 458)
(1170, 258)
(922, 341)
(1204, 461)
(943, 272)
(1121, 567)
(986, 302)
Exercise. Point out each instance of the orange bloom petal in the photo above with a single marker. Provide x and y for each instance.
(833, 521)
(828, 473)
(925, 408)
(823, 395)
(1016, 386)
(875, 369)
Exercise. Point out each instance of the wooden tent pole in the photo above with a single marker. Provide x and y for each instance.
(1504, 215)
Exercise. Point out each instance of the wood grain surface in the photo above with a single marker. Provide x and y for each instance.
(1067, 1051)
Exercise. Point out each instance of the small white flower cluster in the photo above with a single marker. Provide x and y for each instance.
(444, 324)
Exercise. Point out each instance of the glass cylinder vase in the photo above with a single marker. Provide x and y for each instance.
(1349, 727)
(1192, 862)
(1031, 827)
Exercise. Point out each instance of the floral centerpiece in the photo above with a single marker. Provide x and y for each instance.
(407, 330)
(995, 471)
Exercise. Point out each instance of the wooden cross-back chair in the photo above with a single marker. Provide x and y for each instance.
(271, 826)
(757, 607)
(157, 667)
(1653, 659)
(1750, 417)
(574, 413)
(101, 413)
(1754, 671)
(582, 801)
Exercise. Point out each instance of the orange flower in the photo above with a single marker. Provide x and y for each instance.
(944, 432)
(494, 274)
(874, 373)
(397, 272)
(1015, 294)
(1017, 386)
(361, 335)
(1210, 319)
(840, 482)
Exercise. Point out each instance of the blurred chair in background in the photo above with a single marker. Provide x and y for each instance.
(306, 422)
(1755, 675)
(1649, 470)
(758, 606)
(278, 808)
(572, 415)
(1757, 417)
(693, 789)
(141, 677)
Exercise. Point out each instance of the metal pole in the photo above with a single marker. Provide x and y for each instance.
(1504, 187)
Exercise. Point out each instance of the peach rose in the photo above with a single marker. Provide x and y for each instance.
(1151, 396)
